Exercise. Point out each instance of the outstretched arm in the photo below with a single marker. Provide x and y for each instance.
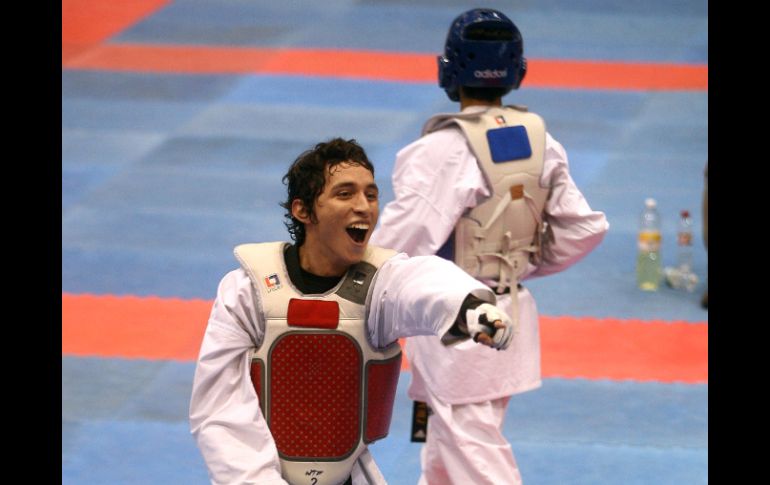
(427, 295)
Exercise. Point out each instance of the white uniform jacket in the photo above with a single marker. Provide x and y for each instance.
(435, 180)
(411, 296)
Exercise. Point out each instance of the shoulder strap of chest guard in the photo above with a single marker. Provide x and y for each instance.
(360, 276)
(264, 263)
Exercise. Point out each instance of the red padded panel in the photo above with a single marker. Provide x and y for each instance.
(381, 383)
(315, 388)
(257, 377)
(313, 313)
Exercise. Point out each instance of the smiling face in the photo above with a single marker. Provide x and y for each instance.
(345, 214)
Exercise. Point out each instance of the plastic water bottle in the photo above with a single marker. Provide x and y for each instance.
(648, 269)
(684, 241)
(687, 278)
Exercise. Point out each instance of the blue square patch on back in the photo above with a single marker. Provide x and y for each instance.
(509, 143)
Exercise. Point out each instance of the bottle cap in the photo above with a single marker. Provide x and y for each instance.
(685, 213)
(650, 202)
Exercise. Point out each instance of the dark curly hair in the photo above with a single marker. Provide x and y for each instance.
(307, 175)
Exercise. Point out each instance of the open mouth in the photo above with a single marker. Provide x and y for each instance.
(357, 232)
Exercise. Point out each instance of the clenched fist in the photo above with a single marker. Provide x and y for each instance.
(490, 326)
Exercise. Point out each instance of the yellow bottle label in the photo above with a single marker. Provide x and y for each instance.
(649, 241)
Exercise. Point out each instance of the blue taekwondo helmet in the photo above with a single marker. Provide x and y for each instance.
(483, 49)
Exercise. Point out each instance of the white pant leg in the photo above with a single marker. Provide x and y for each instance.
(465, 445)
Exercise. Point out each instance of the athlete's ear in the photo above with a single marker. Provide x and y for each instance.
(299, 211)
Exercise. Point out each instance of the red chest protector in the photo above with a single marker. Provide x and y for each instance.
(325, 391)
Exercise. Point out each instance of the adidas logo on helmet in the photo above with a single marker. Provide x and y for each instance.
(490, 74)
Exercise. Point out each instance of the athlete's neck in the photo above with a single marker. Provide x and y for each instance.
(466, 102)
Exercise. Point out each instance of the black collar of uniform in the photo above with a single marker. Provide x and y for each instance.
(305, 282)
